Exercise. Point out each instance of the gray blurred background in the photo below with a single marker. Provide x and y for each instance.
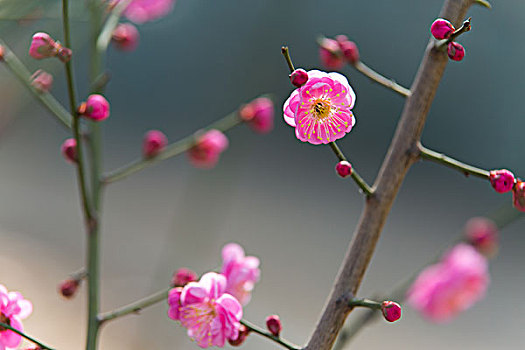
(276, 196)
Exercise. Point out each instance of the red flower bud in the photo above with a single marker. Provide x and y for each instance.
(68, 288)
(243, 334)
(183, 276)
(343, 168)
(442, 29)
(299, 77)
(502, 180)
(69, 150)
(350, 51)
(330, 54)
(391, 311)
(273, 323)
(455, 51)
(482, 234)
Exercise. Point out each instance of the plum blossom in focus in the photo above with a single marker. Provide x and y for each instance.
(242, 272)
(321, 110)
(207, 149)
(140, 11)
(211, 316)
(13, 309)
(443, 290)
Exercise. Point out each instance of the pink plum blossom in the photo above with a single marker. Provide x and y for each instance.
(96, 108)
(242, 272)
(211, 316)
(443, 290)
(330, 54)
(441, 29)
(42, 46)
(13, 309)
(140, 11)
(321, 109)
(207, 149)
(125, 37)
(258, 114)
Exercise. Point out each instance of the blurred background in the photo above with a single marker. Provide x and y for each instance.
(274, 195)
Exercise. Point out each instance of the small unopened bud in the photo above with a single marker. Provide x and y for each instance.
(273, 323)
(299, 77)
(391, 311)
(96, 108)
(350, 51)
(69, 150)
(482, 234)
(42, 81)
(183, 276)
(64, 54)
(154, 142)
(2, 53)
(258, 114)
(455, 51)
(243, 334)
(343, 168)
(518, 196)
(68, 288)
(442, 29)
(502, 180)
(330, 54)
(125, 37)
(42, 46)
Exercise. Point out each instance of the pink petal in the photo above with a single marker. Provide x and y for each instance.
(214, 283)
(290, 107)
(232, 251)
(231, 305)
(26, 308)
(9, 338)
(193, 293)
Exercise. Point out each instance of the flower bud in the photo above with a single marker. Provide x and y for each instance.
(502, 180)
(96, 108)
(482, 234)
(391, 311)
(298, 77)
(350, 51)
(442, 29)
(258, 114)
(343, 168)
(154, 142)
(64, 54)
(330, 54)
(69, 150)
(68, 288)
(42, 46)
(243, 333)
(183, 276)
(2, 53)
(207, 149)
(455, 51)
(42, 81)
(125, 37)
(273, 323)
(518, 196)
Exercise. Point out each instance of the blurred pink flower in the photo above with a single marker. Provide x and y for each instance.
(13, 309)
(42, 46)
(208, 147)
(125, 37)
(154, 142)
(453, 285)
(69, 150)
(41, 81)
(320, 110)
(258, 114)
(242, 272)
(210, 315)
(96, 108)
(140, 11)
(330, 54)
(482, 234)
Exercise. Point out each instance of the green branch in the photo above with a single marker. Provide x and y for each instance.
(378, 78)
(136, 306)
(31, 339)
(270, 336)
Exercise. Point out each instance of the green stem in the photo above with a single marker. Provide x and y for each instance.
(374, 305)
(31, 339)
(104, 38)
(355, 176)
(270, 336)
(466, 169)
(136, 306)
(24, 76)
(378, 78)
(170, 151)
(286, 53)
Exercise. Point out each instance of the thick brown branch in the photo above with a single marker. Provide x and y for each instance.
(401, 155)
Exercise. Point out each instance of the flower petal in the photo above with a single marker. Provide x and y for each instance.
(290, 107)
(214, 283)
(193, 293)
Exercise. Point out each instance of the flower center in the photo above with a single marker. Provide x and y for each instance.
(4, 319)
(321, 109)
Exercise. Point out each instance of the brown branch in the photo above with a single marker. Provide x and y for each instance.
(401, 155)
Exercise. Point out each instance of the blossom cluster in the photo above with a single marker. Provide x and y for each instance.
(211, 308)
(13, 309)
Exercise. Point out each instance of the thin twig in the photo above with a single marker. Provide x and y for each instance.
(270, 336)
(355, 176)
(31, 339)
(286, 53)
(136, 306)
(24, 76)
(452, 163)
(378, 78)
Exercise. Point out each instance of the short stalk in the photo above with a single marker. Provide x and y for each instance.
(31, 339)
(378, 78)
(355, 176)
(374, 305)
(286, 53)
(442, 44)
(285, 343)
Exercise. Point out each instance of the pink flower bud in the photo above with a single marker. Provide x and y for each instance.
(2, 53)
(68, 288)
(502, 180)
(207, 149)
(330, 54)
(42, 81)
(69, 150)
(482, 234)
(343, 168)
(154, 142)
(273, 323)
(183, 276)
(125, 37)
(64, 54)
(455, 51)
(42, 46)
(258, 114)
(518, 196)
(243, 333)
(442, 29)
(298, 77)
(96, 108)
(350, 51)
(391, 311)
